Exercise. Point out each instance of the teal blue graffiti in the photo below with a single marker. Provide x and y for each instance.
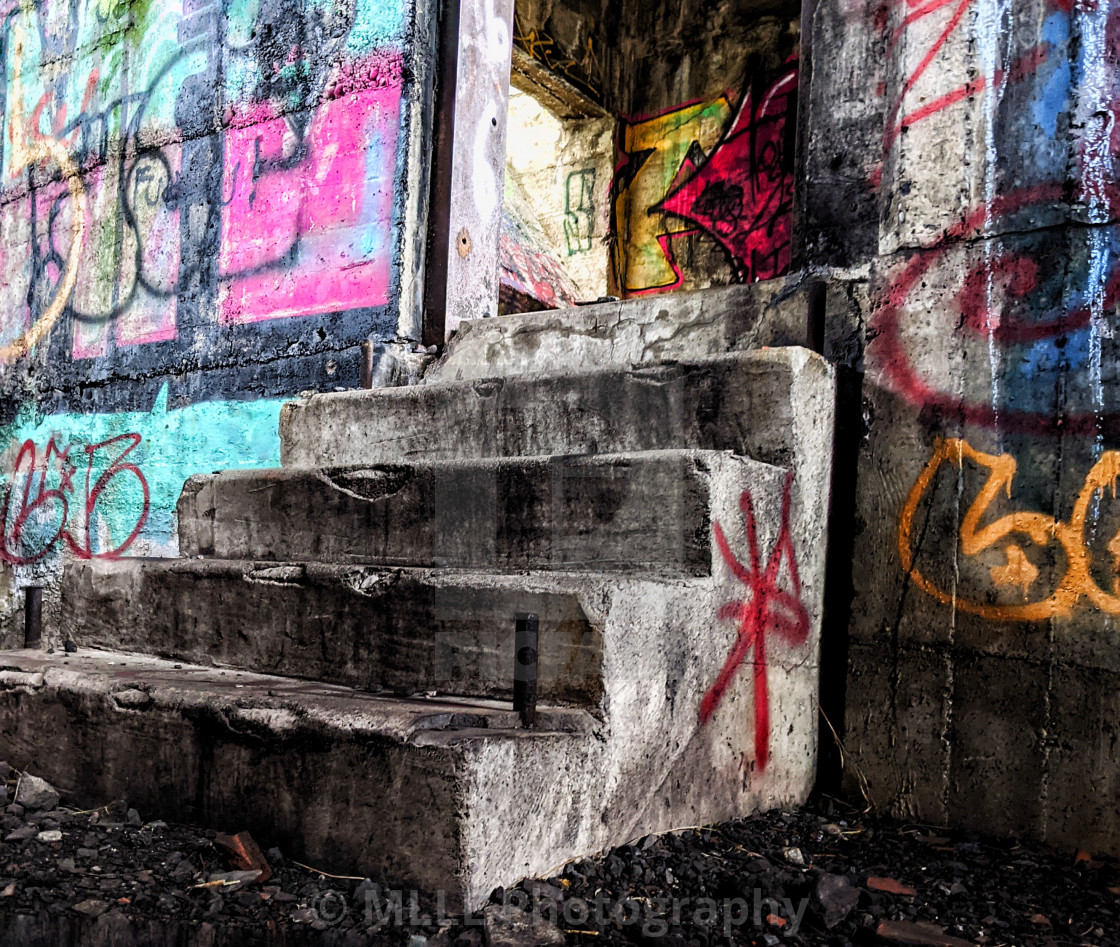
(88, 482)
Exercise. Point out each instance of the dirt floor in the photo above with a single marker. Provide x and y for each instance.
(829, 876)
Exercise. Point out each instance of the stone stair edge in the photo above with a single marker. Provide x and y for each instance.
(277, 705)
(497, 462)
(792, 357)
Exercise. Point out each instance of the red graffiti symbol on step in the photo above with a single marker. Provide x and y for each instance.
(769, 609)
(35, 520)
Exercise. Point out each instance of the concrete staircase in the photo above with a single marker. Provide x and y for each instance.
(331, 663)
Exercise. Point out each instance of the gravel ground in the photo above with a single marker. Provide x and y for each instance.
(108, 878)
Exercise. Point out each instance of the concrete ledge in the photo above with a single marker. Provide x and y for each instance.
(646, 513)
(362, 784)
(402, 631)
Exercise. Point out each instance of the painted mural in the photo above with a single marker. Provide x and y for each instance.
(722, 167)
(197, 220)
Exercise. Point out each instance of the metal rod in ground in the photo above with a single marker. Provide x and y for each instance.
(33, 617)
(526, 643)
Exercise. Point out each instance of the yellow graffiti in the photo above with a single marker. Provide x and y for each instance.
(25, 153)
(661, 146)
(1019, 572)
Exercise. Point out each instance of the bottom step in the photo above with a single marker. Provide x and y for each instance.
(414, 793)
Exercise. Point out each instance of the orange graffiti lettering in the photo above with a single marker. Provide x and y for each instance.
(1008, 533)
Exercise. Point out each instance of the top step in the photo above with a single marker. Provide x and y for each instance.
(770, 404)
(634, 331)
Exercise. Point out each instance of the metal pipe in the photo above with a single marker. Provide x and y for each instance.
(33, 616)
(526, 641)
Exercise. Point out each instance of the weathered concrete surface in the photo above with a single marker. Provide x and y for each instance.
(689, 734)
(703, 683)
(774, 405)
(646, 329)
(333, 775)
(400, 630)
(960, 163)
(644, 512)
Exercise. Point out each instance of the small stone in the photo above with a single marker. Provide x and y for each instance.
(890, 886)
(92, 908)
(68, 864)
(831, 828)
(157, 825)
(87, 853)
(304, 916)
(144, 877)
(70, 646)
(837, 898)
(36, 794)
(22, 834)
(918, 934)
(285, 896)
(8, 891)
(50, 835)
(16, 809)
(793, 856)
(133, 818)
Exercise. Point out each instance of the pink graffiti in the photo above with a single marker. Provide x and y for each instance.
(308, 215)
(769, 609)
(31, 504)
(743, 194)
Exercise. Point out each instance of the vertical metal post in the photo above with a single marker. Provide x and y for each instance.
(526, 642)
(33, 617)
(469, 165)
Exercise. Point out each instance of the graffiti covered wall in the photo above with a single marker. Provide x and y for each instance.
(201, 213)
(962, 172)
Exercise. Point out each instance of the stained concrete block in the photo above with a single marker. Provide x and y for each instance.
(1080, 743)
(645, 512)
(394, 629)
(749, 403)
(367, 785)
(897, 719)
(654, 328)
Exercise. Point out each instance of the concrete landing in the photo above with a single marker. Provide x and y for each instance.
(383, 787)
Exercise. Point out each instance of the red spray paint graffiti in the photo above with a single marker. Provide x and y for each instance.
(36, 519)
(718, 167)
(769, 609)
(743, 194)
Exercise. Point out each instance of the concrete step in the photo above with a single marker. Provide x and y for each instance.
(395, 630)
(774, 405)
(422, 794)
(645, 329)
(648, 512)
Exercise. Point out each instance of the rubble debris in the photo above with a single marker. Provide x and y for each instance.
(35, 794)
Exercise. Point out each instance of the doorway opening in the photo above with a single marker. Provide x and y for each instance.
(649, 148)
